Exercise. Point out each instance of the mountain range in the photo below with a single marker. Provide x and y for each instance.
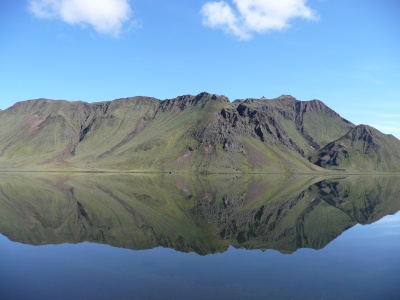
(205, 133)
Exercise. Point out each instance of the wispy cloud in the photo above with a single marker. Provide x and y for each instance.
(243, 18)
(105, 16)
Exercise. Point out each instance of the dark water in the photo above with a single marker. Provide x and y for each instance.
(146, 237)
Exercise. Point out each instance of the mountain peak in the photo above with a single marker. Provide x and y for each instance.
(286, 97)
(363, 132)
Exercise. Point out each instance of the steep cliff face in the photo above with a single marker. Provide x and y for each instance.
(203, 133)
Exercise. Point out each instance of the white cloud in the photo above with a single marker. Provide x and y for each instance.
(220, 14)
(105, 16)
(242, 18)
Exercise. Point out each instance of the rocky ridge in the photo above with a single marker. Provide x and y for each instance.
(205, 133)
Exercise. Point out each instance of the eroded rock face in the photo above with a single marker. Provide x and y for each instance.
(282, 122)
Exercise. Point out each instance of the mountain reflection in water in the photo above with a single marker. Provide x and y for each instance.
(190, 214)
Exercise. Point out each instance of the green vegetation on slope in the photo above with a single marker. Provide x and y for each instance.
(190, 134)
(362, 150)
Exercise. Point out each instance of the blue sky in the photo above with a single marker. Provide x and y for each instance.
(345, 53)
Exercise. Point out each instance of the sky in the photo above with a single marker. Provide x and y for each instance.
(344, 53)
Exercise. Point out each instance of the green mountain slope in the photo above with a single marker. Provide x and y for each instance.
(193, 134)
(363, 149)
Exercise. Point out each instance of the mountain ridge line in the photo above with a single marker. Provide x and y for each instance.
(204, 133)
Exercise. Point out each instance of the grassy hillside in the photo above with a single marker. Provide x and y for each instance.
(192, 134)
(362, 150)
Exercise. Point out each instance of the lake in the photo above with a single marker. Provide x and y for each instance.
(125, 236)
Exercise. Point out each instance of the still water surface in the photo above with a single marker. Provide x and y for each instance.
(131, 237)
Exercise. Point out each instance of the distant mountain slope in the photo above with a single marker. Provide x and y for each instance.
(203, 133)
(362, 149)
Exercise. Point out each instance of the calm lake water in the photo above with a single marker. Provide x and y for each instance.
(167, 237)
